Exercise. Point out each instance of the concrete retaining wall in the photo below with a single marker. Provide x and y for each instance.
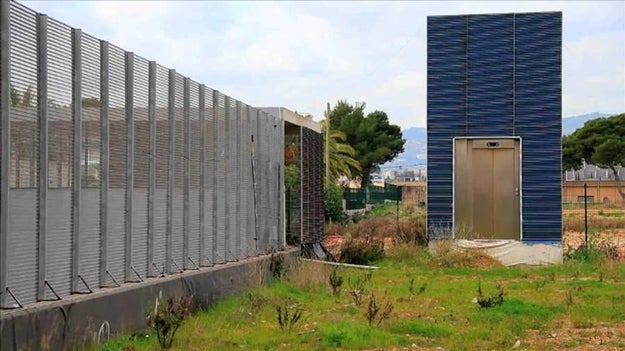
(75, 321)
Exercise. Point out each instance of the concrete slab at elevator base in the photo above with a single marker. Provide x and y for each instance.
(76, 321)
(509, 252)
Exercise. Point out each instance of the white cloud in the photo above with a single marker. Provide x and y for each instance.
(304, 54)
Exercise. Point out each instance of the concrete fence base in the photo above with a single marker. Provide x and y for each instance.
(80, 320)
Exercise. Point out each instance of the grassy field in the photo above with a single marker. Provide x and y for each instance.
(432, 301)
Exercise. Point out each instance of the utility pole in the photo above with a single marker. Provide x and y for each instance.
(327, 149)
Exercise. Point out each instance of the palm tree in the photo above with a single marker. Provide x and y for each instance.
(339, 154)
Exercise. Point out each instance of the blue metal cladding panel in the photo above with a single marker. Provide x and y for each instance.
(447, 58)
(490, 68)
(497, 75)
(538, 73)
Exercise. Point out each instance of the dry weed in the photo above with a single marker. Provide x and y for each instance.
(307, 273)
(448, 255)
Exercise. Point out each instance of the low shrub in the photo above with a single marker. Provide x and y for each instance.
(487, 301)
(256, 302)
(336, 281)
(412, 231)
(378, 311)
(593, 251)
(165, 317)
(288, 317)
(361, 251)
(333, 202)
(333, 229)
(373, 228)
(600, 223)
(277, 266)
(446, 255)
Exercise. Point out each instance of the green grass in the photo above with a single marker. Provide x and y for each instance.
(613, 214)
(382, 210)
(439, 312)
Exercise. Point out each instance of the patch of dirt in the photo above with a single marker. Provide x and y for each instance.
(612, 237)
(334, 244)
(567, 337)
(485, 261)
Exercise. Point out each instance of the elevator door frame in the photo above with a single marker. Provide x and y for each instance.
(453, 185)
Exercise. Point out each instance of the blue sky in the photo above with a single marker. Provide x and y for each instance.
(302, 55)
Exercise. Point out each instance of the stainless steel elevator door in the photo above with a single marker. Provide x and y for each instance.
(487, 188)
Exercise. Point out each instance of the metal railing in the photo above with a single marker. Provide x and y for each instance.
(371, 194)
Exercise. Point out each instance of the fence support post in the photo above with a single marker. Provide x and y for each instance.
(5, 136)
(130, 164)
(187, 175)
(104, 159)
(214, 165)
(201, 107)
(239, 184)
(249, 135)
(76, 165)
(170, 167)
(226, 198)
(586, 214)
(42, 108)
(152, 167)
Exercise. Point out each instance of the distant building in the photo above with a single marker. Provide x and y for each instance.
(593, 172)
(605, 191)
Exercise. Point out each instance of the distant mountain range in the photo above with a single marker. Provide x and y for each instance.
(570, 124)
(415, 149)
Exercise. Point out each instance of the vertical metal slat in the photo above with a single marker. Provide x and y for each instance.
(104, 161)
(5, 127)
(227, 232)
(152, 169)
(77, 125)
(214, 166)
(130, 164)
(170, 179)
(201, 106)
(187, 176)
(239, 185)
(42, 95)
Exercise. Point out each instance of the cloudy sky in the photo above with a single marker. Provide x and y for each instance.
(302, 55)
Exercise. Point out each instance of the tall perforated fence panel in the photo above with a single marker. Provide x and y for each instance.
(292, 183)
(115, 168)
(312, 187)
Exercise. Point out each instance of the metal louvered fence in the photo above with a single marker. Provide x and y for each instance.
(115, 169)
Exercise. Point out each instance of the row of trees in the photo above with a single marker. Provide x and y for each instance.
(358, 143)
(600, 141)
